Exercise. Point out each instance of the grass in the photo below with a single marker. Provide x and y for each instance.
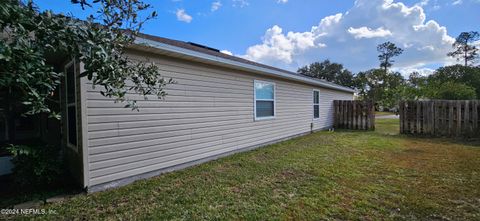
(383, 113)
(387, 126)
(345, 175)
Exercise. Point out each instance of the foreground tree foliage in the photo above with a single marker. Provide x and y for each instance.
(33, 47)
(329, 71)
(29, 37)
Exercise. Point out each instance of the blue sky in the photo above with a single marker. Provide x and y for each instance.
(259, 30)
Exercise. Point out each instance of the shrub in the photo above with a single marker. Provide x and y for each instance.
(36, 167)
(454, 91)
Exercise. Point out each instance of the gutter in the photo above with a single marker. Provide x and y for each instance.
(237, 65)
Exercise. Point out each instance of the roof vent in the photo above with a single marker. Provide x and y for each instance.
(203, 46)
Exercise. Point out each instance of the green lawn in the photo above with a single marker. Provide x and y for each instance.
(327, 175)
(383, 113)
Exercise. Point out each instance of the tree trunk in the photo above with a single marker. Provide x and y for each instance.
(386, 65)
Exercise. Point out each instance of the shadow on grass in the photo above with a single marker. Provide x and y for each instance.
(470, 142)
(392, 127)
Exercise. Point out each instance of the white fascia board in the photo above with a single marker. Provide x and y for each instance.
(237, 65)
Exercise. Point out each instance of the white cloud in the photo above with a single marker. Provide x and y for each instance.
(365, 32)
(215, 6)
(282, 1)
(278, 48)
(240, 3)
(226, 52)
(457, 2)
(423, 3)
(183, 16)
(351, 38)
(407, 71)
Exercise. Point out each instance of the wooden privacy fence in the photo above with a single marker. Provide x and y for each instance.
(355, 115)
(440, 118)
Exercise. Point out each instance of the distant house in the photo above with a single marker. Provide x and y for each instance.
(220, 105)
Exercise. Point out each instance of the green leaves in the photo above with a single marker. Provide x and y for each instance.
(388, 51)
(465, 48)
(329, 71)
(31, 36)
(36, 167)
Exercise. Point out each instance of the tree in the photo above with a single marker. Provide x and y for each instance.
(387, 51)
(382, 87)
(329, 71)
(466, 75)
(464, 48)
(29, 37)
(415, 87)
(453, 91)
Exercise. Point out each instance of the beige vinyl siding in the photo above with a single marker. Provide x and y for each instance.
(327, 96)
(208, 112)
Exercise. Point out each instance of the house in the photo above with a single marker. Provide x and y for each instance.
(220, 105)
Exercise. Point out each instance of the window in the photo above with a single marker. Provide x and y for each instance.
(71, 109)
(316, 104)
(264, 100)
(3, 117)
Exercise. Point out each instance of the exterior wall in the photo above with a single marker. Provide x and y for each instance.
(208, 112)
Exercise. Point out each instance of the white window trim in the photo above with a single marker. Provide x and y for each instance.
(255, 101)
(73, 62)
(317, 104)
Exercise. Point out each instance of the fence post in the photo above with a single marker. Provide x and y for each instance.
(343, 113)
(435, 116)
(450, 117)
(400, 110)
(411, 117)
(440, 118)
(355, 115)
(475, 117)
(336, 109)
(364, 115)
(352, 114)
(426, 117)
(459, 118)
(432, 118)
(466, 118)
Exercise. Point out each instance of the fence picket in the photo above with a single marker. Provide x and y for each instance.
(357, 115)
(440, 118)
(466, 118)
(475, 117)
